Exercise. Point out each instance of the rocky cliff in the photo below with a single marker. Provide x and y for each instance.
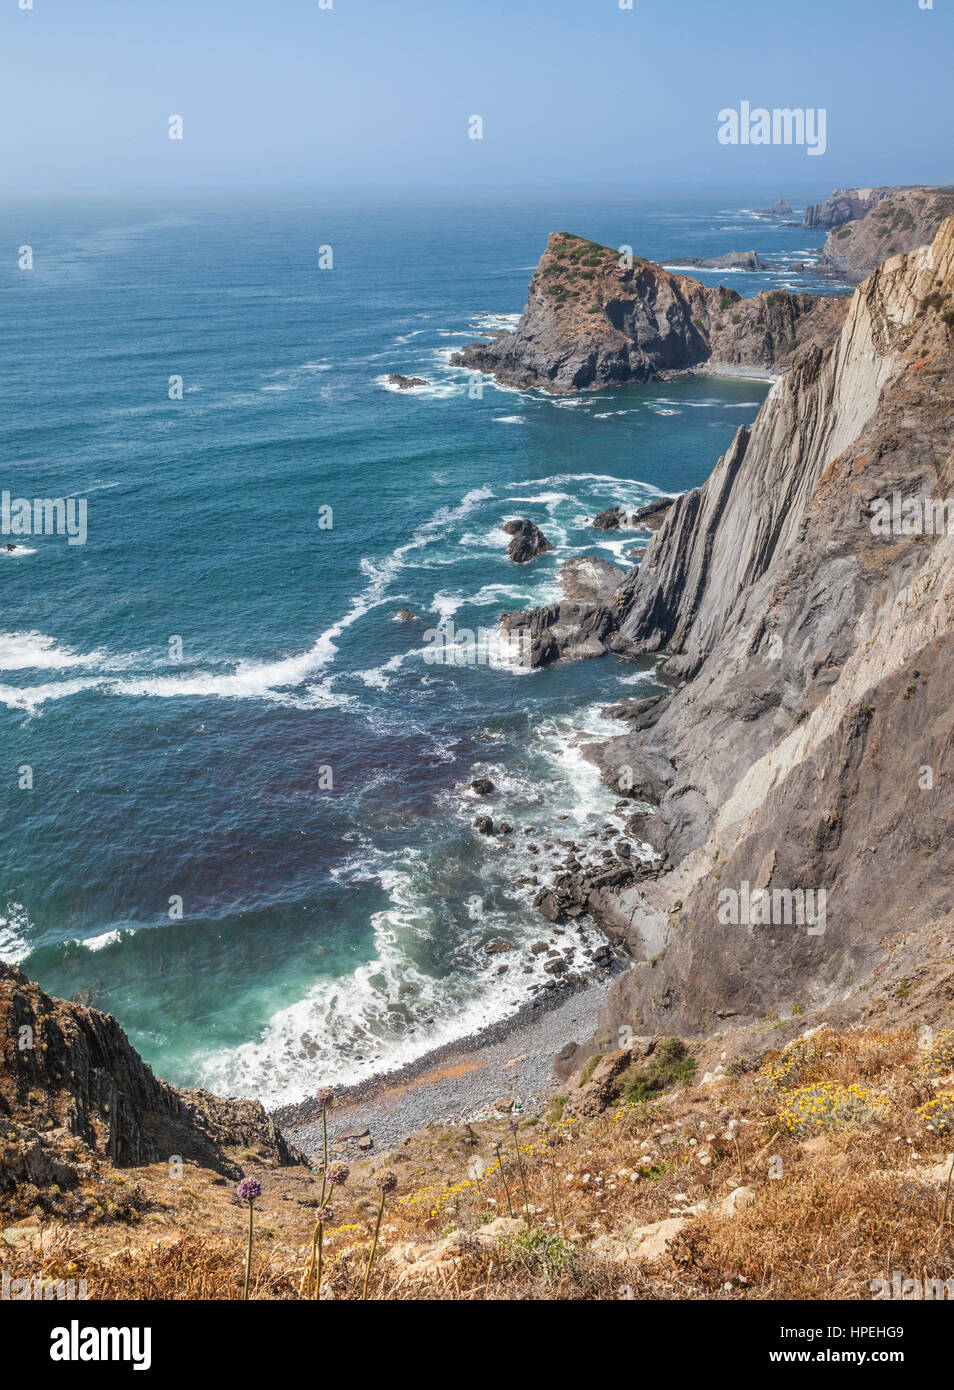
(887, 222)
(844, 205)
(593, 320)
(806, 750)
(73, 1090)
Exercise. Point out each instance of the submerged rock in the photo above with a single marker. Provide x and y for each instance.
(406, 383)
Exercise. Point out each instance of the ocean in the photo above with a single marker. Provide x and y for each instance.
(249, 831)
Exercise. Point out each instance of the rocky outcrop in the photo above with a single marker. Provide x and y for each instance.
(595, 319)
(577, 626)
(844, 205)
(609, 520)
(817, 655)
(733, 260)
(896, 221)
(528, 541)
(406, 383)
(70, 1074)
(766, 332)
(651, 516)
(780, 208)
(590, 579)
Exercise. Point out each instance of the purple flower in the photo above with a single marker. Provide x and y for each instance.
(513, 1126)
(249, 1189)
(324, 1095)
(387, 1182)
(323, 1214)
(338, 1174)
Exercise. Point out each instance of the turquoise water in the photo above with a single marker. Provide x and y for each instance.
(326, 930)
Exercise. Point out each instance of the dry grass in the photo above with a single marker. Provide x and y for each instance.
(826, 1216)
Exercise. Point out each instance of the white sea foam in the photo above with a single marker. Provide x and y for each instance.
(558, 478)
(263, 680)
(387, 1012)
(434, 390)
(544, 499)
(379, 677)
(14, 924)
(35, 651)
(30, 698)
(98, 943)
(246, 680)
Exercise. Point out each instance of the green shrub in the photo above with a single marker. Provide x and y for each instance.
(668, 1065)
(590, 1067)
(535, 1251)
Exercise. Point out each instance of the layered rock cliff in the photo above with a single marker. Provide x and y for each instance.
(74, 1090)
(593, 320)
(808, 748)
(844, 205)
(886, 223)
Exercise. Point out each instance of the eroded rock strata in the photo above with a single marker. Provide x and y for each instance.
(889, 221)
(73, 1090)
(807, 748)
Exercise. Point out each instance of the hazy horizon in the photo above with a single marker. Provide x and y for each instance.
(372, 96)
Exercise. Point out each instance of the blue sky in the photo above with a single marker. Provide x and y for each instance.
(376, 94)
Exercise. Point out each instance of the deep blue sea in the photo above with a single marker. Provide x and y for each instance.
(326, 931)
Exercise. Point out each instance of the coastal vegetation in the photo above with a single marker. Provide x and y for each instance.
(809, 1173)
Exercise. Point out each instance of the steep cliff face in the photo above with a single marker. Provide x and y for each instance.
(809, 748)
(70, 1074)
(897, 221)
(844, 205)
(592, 322)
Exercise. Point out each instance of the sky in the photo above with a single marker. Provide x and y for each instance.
(379, 94)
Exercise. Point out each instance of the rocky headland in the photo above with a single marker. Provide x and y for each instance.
(595, 320)
(868, 225)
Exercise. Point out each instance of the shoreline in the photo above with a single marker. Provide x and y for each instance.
(458, 1081)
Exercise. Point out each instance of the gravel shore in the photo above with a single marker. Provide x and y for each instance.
(460, 1082)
